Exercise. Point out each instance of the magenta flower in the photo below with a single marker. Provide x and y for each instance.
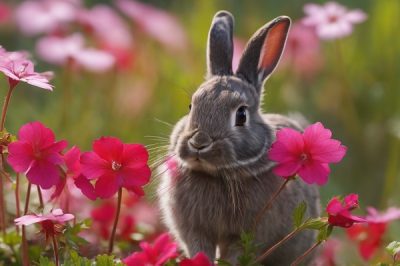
(50, 15)
(61, 50)
(37, 154)
(23, 70)
(5, 13)
(115, 165)
(199, 260)
(51, 223)
(157, 23)
(157, 254)
(340, 212)
(307, 154)
(332, 20)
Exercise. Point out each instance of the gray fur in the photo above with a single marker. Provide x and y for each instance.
(224, 177)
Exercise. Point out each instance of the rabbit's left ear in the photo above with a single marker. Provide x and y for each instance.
(220, 45)
(263, 51)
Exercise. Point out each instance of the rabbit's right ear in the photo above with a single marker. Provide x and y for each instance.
(263, 51)
(220, 45)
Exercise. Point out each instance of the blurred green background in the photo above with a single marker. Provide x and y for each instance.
(356, 92)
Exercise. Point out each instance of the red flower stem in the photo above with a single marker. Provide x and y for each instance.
(24, 246)
(18, 210)
(114, 230)
(305, 254)
(3, 120)
(41, 206)
(55, 249)
(268, 205)
(283, 240)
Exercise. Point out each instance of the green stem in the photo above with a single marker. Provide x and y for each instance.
(55, 249)
(24, 246)
(305, 254)
(283, 240)
(114, 230)
(268, 204)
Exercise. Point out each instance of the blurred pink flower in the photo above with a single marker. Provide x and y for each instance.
(307, 154)
(328, 253)
(116, 165)
(60, 50)
(52, 223)
(111, 33)
(332, 20)
(302, 51)
(199, 260)
(37, 154)
(157, 254)
(159, 24)
(238, 47)
(17, 67)
(340, 212)
(369, 235)
(5, 13)
(50, 15)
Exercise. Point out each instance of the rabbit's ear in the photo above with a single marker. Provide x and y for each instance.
(220, 45)
(263, 51)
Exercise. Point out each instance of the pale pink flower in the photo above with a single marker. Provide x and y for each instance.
(52, 223)
(302, 51)
(307, 154)
(17, 69)
(332, 20)
(157, 23)
(390, 214)
(45, 16)
(60, 50)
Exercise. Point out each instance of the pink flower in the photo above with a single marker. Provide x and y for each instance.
(157, 254)
(340, 213)
(50, 15)
(37, 154)
(327, 256)
(116, 165)
(369, 235)
(302, 51)
(17, 68)
(60, 50)
(51, 223)
(199, 260)
(159, 24)
(307, 154)
(5, 13)
(332, 20)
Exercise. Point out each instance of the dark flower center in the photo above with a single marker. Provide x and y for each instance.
(115, 165)
(304, 157)
(332, 19)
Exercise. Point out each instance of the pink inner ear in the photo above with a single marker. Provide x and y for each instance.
(273, 46)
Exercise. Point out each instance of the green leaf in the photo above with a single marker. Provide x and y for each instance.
(12, 239)
(44, 261)
(106, 260)
(76, 260)
(221, 262)
(315, 223)
(248, 257)
(324, 233)
(298, 214)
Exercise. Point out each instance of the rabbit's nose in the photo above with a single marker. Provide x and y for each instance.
(200, 141)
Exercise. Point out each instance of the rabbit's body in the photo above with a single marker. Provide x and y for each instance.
(223, 177)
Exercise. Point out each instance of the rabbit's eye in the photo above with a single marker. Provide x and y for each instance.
(241, 116)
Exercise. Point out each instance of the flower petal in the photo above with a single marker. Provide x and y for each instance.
(134, 155)
(43, 174)
(92, 166)
(135, 177)
(20, 156)
(314, 172)
(108, 148)
(86, 187)
(106, 186)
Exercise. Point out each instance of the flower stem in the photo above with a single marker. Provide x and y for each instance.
(3, 120)
(17, 208)
(114, 230)
(41, 206)
(24, 246)
(305, 254)
(269, 204)
(283, 240)
(55, 249)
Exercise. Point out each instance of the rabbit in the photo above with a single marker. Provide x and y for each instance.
(220, 176)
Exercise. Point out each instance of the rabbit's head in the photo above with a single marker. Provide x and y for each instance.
(224, 129)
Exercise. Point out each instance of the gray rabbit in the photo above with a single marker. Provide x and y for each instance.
(223, 177)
